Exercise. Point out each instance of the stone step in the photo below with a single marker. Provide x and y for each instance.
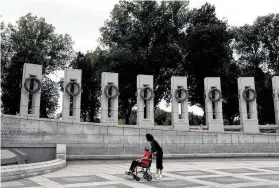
(21, 157)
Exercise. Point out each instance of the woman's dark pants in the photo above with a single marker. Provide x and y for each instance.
(159, 160)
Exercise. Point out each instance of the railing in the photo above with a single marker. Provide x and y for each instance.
(234, 128)
(198, 127)
(238, 128)
(269, 128)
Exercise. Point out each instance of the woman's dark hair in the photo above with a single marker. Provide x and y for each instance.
(149, 137)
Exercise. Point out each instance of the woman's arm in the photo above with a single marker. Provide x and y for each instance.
(156, 146)
(152, 147)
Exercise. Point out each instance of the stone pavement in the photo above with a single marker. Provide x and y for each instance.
(202, 173)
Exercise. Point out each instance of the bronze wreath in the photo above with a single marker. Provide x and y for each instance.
(106, 89)
(68, 86)
(213, 91)
(182, 90)
(245, 91)
(27, 84)
(142, 93)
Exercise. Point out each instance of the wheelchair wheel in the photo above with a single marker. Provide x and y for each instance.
(134, 176)
(145, 176)
(148, 178)
(137, 178)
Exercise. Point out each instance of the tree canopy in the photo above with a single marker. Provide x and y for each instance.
(92, 65)
(32, 40)
(162, 39)
(257, 50)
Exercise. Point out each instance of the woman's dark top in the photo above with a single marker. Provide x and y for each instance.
(155, 147)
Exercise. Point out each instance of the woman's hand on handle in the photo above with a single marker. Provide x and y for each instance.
(154, 154)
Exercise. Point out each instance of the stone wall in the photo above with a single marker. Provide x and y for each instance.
(40, 136)
(14, 172)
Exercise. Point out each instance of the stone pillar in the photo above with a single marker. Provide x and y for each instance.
(275, 86)
(145, 120)
(109, 98)
(250, 123)
(179, 96)
(213, 104)
(71, 76)
(29, 71)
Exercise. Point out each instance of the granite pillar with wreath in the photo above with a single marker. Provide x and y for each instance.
(213, 104)
(71, 94)
(248, 104)
(145, 101)
(109, 98)
(179, 103)
(31, 90)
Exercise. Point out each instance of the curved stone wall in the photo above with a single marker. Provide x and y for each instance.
(27, 170)
(8, 158)
(40, 136)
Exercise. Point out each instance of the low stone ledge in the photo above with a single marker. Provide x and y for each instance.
(61, 151)
(14, 172)
(22, 155)
(172, 156)
(8, 157)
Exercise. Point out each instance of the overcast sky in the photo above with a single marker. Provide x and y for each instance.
(82, 19)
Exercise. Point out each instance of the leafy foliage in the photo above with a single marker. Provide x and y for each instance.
(143, 38)
(196, 119)
(49, 97)
(257, 49)
(34, 41)
(162, 117)
(92, 65)
(268, 33)
(207, 49)
(162, 39)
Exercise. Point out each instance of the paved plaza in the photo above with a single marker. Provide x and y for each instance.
(203, 173)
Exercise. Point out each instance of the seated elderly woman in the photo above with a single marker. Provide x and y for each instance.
(139, 162)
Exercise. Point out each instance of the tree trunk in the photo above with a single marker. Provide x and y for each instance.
(230, 119)
(127, 118)
(128, 114)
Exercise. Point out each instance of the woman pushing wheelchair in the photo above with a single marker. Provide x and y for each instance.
(145, 162)
(139, 162)
(158, 151)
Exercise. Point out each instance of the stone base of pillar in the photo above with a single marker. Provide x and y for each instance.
(216, 126)
(146, 123)
(181, 126)
(109, 120)
(251, 126)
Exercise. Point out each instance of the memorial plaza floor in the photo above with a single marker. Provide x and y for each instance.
(202, 173)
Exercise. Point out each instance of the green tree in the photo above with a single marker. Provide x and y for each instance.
(230, 92)
(58, 115)
(92, 65)
(34, 41)
(268, 34)
(162, 117)
(133, 117)
(208, 53)
(257, 55)
(144, 38)
(196, 119)
(49, 97)
(6, 49)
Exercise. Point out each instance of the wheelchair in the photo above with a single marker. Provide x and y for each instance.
(145, 169)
